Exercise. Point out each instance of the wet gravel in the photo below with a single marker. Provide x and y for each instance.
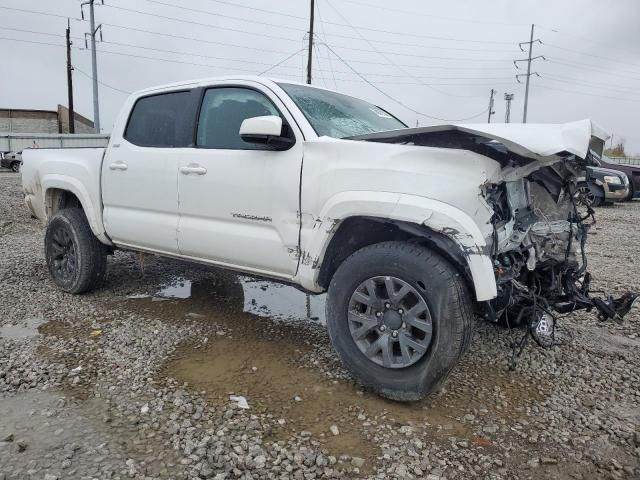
(102, 385)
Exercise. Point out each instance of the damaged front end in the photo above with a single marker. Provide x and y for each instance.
(538, 251)
(537, 233)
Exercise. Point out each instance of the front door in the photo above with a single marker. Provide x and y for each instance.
(239, 202)
(139, 188)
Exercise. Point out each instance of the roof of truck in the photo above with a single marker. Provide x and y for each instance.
(192, 83)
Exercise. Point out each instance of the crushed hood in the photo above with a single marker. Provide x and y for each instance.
(531, 141)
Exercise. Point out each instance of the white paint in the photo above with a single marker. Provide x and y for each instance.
(239, 208)
(267, 125)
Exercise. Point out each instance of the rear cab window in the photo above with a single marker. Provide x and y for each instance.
(160, 121)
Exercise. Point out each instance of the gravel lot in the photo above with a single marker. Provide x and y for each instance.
(134, 381)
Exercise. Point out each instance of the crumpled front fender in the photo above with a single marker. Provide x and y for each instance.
(440, 217)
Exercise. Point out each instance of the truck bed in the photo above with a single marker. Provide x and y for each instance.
(73, 169)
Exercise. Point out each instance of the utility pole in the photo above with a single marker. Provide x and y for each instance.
(72, 117)
(94, 61)
(311, 22)
(507, 114)
(491, 110)
(528, 74)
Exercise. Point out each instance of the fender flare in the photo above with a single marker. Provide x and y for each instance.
(73, 185)
(438, 216)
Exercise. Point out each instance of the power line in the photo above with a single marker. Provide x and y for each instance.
(24, 10)
(413, 55)
(333, 74)
(303, 29)
(241, 31)
(296, 29)
(207, 25)
(206, 65)
(281, 62)
(100, 82)
(128, 55)
(396, 100)
(199, 40)
(389, 32)
(256, 62)
(419, 35)
(428, 15)
(418, 45)
(181, 52)
(384, 54)
(255, 9)
(561, 78)
(602, 46)
(599, 57)
(582, 66)
(39, 33)
(572, 81)
(625, 99)
(230, 17)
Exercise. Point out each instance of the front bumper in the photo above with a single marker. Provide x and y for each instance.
(615, 192)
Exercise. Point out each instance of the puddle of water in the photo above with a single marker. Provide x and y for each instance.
(25, 329)
(261, 360)
(283, 302)
(261, 370)
(261, 297)
(180, 288)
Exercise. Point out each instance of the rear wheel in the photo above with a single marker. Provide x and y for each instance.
(76, 259)
(399, 315)
(15, 167)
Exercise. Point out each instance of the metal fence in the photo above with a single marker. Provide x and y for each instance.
(16, 142)
(635, 160)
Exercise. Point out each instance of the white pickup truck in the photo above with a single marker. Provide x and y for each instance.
(412, 231)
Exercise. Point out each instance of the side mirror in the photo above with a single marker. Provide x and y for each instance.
(265, 130)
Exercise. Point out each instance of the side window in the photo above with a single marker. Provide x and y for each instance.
(157, 121)
(223, 111)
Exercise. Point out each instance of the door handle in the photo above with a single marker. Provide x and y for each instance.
(193, 168)
(118, 166)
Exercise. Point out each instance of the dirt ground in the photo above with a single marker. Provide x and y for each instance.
(135, 380)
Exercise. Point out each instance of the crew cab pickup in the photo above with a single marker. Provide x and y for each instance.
(412, 231)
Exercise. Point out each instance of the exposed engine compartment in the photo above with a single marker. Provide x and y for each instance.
(538, 251)
(538, 237)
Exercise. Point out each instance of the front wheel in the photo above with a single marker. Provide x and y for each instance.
(399, 316)
(76, 259)
(15, 167)
(586, 197)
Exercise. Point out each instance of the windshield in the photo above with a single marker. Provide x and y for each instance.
(335, 115)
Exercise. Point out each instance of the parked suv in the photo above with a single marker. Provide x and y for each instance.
(411, 231)
(602, 185)
(12, 160)
(631, 171)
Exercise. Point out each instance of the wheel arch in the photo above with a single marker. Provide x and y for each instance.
(356, 232)
(67, 192)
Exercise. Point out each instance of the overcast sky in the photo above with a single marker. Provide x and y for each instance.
(440, 59)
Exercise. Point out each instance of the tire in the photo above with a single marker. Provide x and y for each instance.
(15, 167)
(587, 198)
(438, 284)
(76, 259)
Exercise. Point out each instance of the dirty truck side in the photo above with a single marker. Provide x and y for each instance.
(412, 232)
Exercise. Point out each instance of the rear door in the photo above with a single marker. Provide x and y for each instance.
(139, 174)
(239, 202)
